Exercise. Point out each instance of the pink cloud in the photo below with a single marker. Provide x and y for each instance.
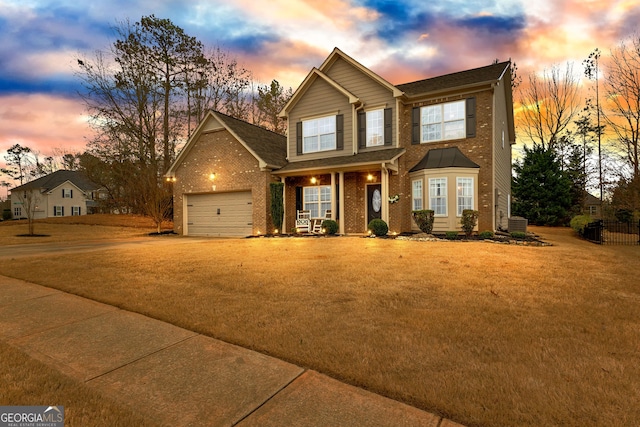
(43, 123)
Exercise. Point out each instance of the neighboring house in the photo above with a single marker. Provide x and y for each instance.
(593, 206)
(360, 148)
(61, 193)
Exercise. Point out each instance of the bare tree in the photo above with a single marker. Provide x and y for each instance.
(550, 103)
(19, 162)
(622, 109)
(29, 198)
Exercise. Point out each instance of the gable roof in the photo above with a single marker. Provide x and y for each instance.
(450, 157)
(320, 73)
(468, 78)
(337, 53)
(269, 148)
(57, 178)
(313, 75)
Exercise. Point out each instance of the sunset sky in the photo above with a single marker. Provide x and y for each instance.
(283, 39)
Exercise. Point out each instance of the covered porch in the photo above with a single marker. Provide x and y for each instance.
(350, 190)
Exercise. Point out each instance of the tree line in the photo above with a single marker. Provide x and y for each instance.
(580, 141)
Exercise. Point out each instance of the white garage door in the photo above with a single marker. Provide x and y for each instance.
(220, 215)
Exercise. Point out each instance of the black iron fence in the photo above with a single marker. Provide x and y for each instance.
(611, 232)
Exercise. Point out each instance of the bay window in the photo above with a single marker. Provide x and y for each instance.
(465, 194)
(438, 196)
(417, 195)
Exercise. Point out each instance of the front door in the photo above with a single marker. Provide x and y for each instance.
(374, 202)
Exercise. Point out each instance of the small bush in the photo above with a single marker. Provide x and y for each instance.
(6, 214)
(579, 222)
(378, 227)
(469, 221)
(451, 235)
(424, 220)
(330, 227)
(518, 234)
(486, 235)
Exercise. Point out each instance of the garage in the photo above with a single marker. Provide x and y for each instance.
(219, 214)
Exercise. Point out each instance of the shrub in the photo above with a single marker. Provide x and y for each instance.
(277, 204)
(451, 235)
(518, 234)
(486, 235)
(330, 226)
(469, 221)
(6, 214)
(378, 227)
(579, 222)
(424, 220)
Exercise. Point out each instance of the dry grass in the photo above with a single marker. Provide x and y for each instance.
(26, 381)
(78, 228)
(481, 333)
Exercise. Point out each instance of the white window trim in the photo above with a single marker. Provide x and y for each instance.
(56, 209)
(75, 209)
(458, 187)
(443, 121)
(445, 196)
(413, 194)
(319, 203)
(67, 193)
(318, 135)
(381, 128)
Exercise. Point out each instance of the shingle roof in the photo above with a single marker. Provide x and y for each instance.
(449, 81)
(377, 156)
(53, 180)
(450, 157)
(269, 146)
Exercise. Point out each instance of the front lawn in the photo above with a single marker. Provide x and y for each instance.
(480, 333)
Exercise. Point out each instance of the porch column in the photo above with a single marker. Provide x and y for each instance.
(333, 196)
(341, 202)
(385, 193)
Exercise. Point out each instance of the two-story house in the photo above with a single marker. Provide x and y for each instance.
(358, 148)
(61, 193)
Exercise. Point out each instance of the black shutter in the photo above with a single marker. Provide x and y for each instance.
(299, 138)
(62, 207)
(71, 193)
(387, 126)
(298, 198)
(471, 117)
(63, 193)
(340, 132)
(415, 125)
(362, 129)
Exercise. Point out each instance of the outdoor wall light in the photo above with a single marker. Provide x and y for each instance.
(369, 177)
(212, 176)
(171, 179)
(313, 180)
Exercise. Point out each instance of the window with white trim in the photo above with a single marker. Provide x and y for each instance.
(58, 211)
(438, 196)
(465, 194)
(443, 121)
(317, 200)
(75, 210)
(417, 194)
(17, 212)
(67, 193)
(319, 134)
(375, 128)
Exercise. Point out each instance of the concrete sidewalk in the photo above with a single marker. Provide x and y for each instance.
(191, 379)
